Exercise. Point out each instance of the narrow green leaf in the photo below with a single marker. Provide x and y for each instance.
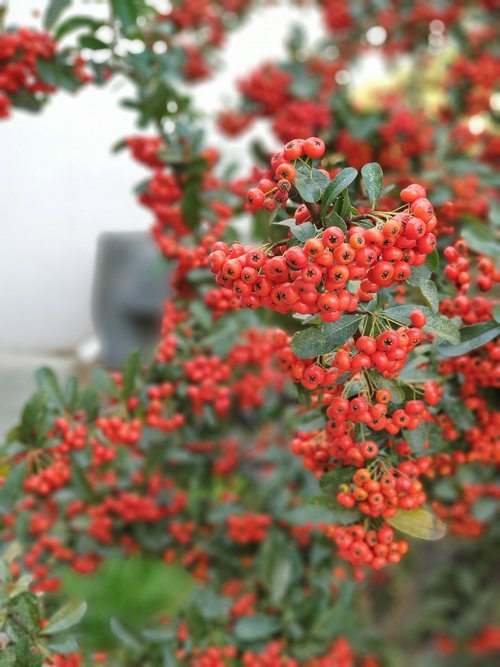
(372, 176)
(131, 369)
(92, 43)
(65, 618)
(13, 485)
(256, 628)
(418, 523)
(471, 337)
(47, 381)
(54, 11)
(341, 181)
(75, 23)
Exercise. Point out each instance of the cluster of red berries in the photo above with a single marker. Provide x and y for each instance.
(248, 528)
(459, 268)
(336, 445)
(120, 431)
(375, 548)
(19, 52)
(395, 489)
(386, 353)
(313, 278)
(272, 193)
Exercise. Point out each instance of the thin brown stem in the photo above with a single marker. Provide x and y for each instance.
(314, 210)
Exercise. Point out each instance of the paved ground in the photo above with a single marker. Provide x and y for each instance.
(17, 381)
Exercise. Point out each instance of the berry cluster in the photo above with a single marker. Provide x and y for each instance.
(314, 278)
(19, 52)
(367, 547)
(397, 488)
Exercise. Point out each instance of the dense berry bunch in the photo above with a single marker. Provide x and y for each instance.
(19, 53)
(316, 277)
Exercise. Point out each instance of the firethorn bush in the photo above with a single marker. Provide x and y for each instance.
(272, 490)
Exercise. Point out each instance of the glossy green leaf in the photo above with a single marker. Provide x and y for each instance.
(310, 183)
(316, 341)
(341, 181)
(471, 337)
(372, 176)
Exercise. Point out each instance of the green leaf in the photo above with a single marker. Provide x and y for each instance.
(32, 415)
(471, 337)
(416, 438)
(458, 413)
(481, 238)
(432, 260)
(54, 11)
(191, 203)
(496, 313)
(438, 324)
(126, 636)
(23, 99)
(429, 292)
(69, 615)
(310, 183)
(338, 514)
(316, 341)
(47, 381)
(131, 369)
(13, 485)
(331, 480)
(70, 394)
(105, 382)
(126, 12)
(372, 176)
(484, 509)
(256, 628)
(281, 578)
(74, 23)
(91, 42)
(304, 231)
(341, 181)
(396, 388)
(418, 523)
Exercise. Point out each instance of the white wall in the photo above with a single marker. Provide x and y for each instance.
(60, 187)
